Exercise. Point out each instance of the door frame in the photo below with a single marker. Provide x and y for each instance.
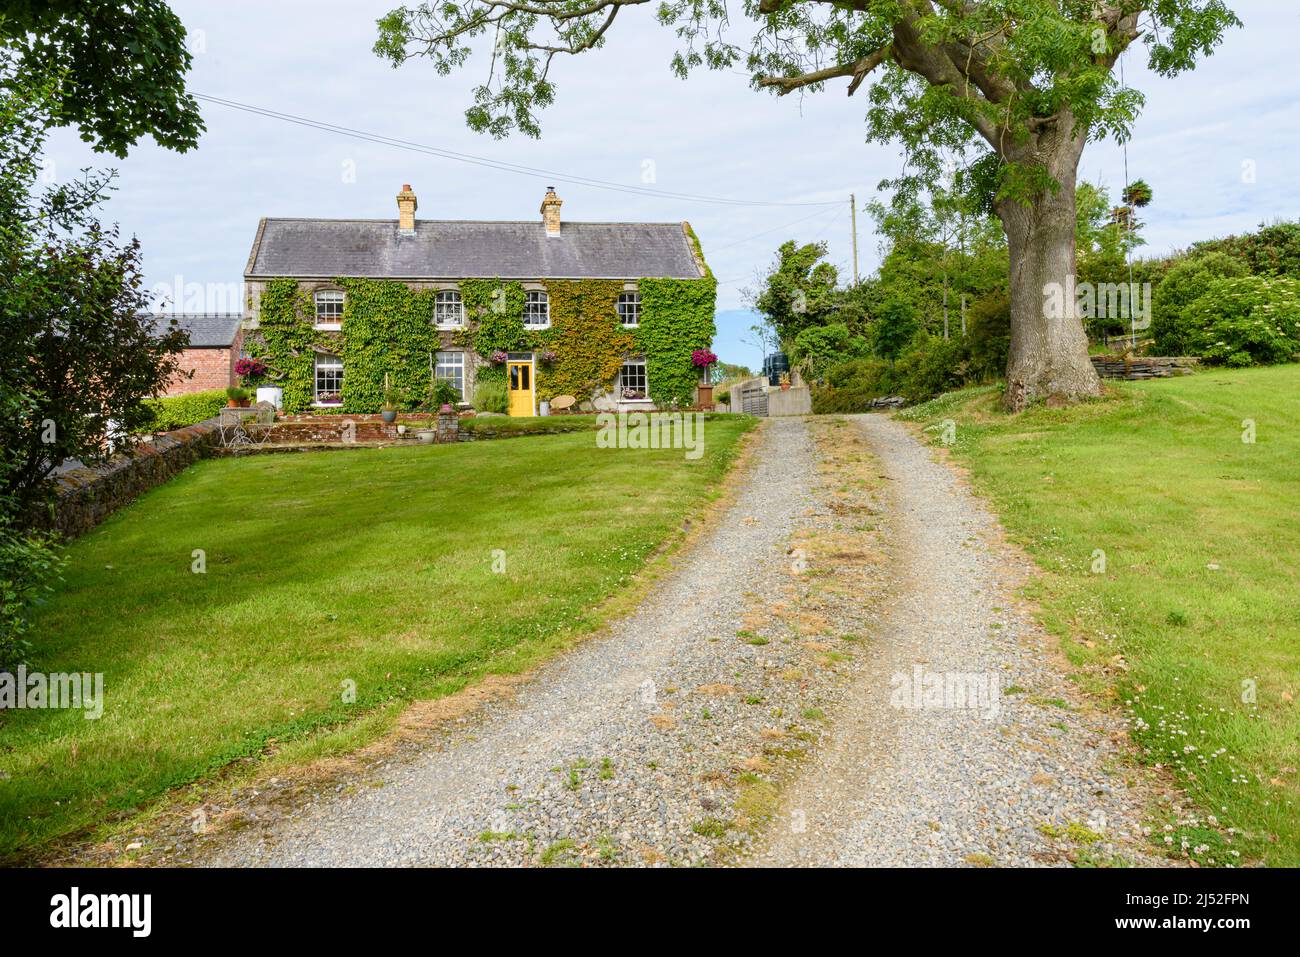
(532, 378)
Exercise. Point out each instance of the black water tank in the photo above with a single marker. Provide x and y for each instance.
(774, 365)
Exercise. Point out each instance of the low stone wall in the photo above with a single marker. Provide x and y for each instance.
(328, 429)
(86, 496)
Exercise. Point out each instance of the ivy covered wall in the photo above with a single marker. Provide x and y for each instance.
(388, 327)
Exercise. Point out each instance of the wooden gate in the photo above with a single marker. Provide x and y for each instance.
(753, 398)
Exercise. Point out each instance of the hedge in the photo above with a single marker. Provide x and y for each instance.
(179, 411)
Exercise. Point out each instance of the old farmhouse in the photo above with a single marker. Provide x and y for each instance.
(609, 313)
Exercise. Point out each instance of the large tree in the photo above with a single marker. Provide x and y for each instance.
(1026, 82)
(116, 70)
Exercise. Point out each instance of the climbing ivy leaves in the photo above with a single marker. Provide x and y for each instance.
(389, 329)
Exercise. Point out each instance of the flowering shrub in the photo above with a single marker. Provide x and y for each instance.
(703, 357)
(1252, 320)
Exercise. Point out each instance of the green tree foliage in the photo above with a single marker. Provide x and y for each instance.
(1272, 250)
(1184, 284)
(79, 342)
(798, 290)
(114, 70)
(819, 348)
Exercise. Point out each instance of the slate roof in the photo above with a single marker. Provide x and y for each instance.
(208, 330)
(325, 248)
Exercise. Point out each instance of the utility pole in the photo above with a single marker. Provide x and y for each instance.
(853, 214)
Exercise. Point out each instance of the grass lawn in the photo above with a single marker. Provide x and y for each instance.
(369, 566)
(1194, 619)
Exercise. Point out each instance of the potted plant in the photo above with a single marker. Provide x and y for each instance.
(442, 396)
(785, 382)
(702, 359)
(389, 411)
(237, 398)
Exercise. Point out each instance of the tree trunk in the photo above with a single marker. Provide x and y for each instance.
(1049, 348)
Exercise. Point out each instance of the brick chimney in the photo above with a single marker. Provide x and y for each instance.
(551, 212)
(406, 206)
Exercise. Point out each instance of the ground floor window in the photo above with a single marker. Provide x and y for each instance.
(329, 379)
(632, 381)
(451, 368)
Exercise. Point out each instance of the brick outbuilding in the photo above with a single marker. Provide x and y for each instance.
(215, 341)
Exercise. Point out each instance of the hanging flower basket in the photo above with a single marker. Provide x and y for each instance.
(703, 358)
(498, 357)
(251, 371)
(549, 356)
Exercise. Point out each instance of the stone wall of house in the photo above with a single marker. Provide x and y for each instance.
(86, 496)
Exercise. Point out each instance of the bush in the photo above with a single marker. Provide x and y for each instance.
(819, 348)
(1251, 320)
(491, 397)
(1273, 250)
(182, 410)
(1182, 286)
(988, 336)
(932, 366)
(850, 386)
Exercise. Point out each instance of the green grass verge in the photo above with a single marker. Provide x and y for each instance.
(1193, 619)
(372, 569)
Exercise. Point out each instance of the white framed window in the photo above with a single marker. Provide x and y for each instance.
(329, 309)
(629, 309)
(537, 308)
(450, 367)
(329, 379)
(632, 381)
(448, 309)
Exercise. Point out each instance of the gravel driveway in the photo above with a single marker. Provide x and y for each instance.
(1027, 775)
(619, 751)
(741, 691)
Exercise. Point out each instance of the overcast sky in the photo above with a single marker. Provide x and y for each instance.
(621, 116)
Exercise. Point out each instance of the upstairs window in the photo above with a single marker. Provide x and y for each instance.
(329, 309)
(632, 382)
(448, 310)
(629, 309)
(537, 308)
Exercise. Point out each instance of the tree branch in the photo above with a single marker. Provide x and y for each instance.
(858, 69)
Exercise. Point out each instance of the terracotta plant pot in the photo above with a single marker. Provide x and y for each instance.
(785, 387)
(232, 403)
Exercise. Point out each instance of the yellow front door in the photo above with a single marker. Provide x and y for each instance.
(521, 388)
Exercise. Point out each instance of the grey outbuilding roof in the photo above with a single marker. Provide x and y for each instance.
(324, 248)
(208, 330)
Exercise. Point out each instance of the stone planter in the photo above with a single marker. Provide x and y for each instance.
(427, 436)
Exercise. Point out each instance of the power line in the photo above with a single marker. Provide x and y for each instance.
(491, 163)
